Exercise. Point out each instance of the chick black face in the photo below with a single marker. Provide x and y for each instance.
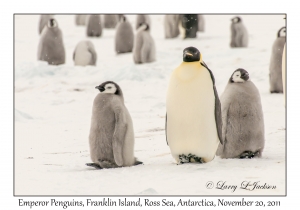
(236, 19)
(109, 87)
(239, 76)
(281, 32)
(191, 54)
(145, 26)
(52, 23)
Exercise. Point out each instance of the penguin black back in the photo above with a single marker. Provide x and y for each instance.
(191, 54)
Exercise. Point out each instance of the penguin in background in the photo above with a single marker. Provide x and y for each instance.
(201, 23)
(275, 67)
(43, 21)
(110, 21)
(111, 137)
(193, 119)
(141, 18)
(124, 36)
(239, 34)
(85, 54)
(51, 47)
(144, 46)
(94, 26)
(188, 26)
(80, 20)
(242, 116)
(171, 23)
(284, 72)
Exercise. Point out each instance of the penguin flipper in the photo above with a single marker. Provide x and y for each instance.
(119, 136)
(94, 56)
(218, 112)
(166, 130)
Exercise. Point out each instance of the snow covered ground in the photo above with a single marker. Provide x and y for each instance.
(53, 106)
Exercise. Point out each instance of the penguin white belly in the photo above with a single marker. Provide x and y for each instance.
(82, 56)
(191, 126)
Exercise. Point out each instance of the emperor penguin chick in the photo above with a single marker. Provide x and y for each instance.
(239, 34)
(94, 26)
(111, 136)
(140, 19)
(242, 116)
(80, 20)
(193, 121)
(51, 47)
(275, 68)
(144, 47)
(124, 36)
(110, 21)
(171, 26)
(85, 54)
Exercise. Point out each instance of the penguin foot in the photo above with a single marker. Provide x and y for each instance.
(190, 159)
(95, 165)
(275, 91)
(249, 154)
(138, 162)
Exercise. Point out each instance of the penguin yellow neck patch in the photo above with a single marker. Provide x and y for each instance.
(188, 70)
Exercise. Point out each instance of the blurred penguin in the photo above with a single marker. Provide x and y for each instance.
(283, 71)
(142, 19)
(80, 20)
(239, 34)
(51, 47)
(276, 62)
(201, 23)
(188, 26)
(144, 47)
(171, 26)
(242, 116)
(94, 26)
(43, 22)
(124, 36)
(110, 21)
(85, 54)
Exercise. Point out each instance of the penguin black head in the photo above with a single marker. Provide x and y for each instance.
(145, 26)
(110, 87)
(191, 54)
(123, 18)
(239, 76)
(52, 23)
(236, 19)
(281, 32)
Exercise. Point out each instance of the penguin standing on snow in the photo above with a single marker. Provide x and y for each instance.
(110, 21)
(94, 27)
(188, 26)
(242, 115)
(142, 19)
(239, 34)
(85, 54)
(51, 47)
(43, 21)
(124, 36)
(171, 26)
(276, 62)
(111, 136)
(201, 23)
(80, 20)
(144, 47)
(193, 120)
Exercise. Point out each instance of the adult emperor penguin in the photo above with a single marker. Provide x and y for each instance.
(141, 18)
(188, 26)
(171, 26)
(239, 34)
(144, 47)
(201, 23)
(85, 54)
(80, 20)
(110, 21)
(43, 21)
(111, 136)
(242, 115)
(124, 36)
(193, 120)
(51, 47)
(276, 62)
(94, 26)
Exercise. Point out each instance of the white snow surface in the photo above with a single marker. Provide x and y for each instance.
(53, 106)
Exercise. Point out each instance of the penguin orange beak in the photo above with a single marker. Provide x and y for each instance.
(187, 53)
